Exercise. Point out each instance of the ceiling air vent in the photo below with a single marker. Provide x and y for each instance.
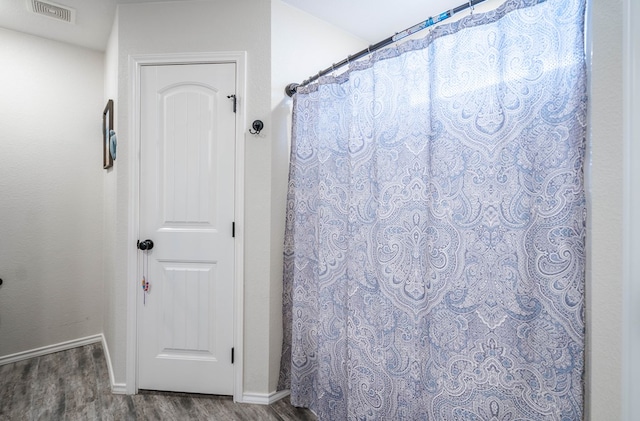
(52, 10)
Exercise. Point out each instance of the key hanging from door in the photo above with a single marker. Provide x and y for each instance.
(145, 274)
(145, 246)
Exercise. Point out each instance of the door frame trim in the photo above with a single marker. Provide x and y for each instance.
(135, 64)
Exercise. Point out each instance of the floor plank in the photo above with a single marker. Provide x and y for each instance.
(74, 385)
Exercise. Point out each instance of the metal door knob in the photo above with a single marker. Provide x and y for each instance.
(145, 245)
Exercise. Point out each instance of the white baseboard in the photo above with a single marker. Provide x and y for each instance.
(116, 388)
(50, 349)
(264, 398)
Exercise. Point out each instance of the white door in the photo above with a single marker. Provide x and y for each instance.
(185, 320)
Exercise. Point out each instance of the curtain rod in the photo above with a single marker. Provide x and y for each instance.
(290, 89)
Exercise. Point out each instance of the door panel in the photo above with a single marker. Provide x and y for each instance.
(189, 325)
(185, 330)
(191, 144)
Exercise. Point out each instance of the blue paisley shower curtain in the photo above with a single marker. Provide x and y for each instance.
(435, 242)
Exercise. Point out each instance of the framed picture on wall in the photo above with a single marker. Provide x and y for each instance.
(107, 126)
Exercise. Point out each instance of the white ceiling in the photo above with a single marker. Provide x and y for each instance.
(371, 20)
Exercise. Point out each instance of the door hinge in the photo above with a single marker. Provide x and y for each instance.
(232, 356)
(233, 229)
(235, 101)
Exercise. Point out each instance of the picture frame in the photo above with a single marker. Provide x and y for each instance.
(107, 125)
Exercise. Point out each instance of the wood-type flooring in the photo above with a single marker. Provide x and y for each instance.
(74, 385)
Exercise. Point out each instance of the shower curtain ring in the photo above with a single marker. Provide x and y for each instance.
(470, 7)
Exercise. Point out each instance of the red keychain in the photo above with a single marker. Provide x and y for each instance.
(145, 288)
(145, 283)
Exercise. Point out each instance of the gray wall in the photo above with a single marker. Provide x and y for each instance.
(50, 192)
(605, 233)
(198, 26)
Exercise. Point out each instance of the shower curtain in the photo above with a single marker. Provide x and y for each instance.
(435, 240)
